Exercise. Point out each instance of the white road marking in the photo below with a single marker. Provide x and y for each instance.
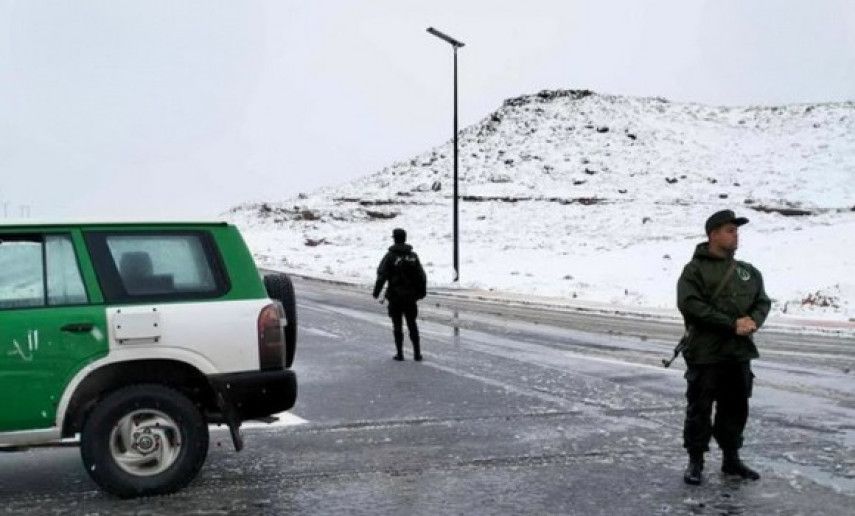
(284, 419)
(321, 333)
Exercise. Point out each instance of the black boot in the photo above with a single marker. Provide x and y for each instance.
(692, 475)
(417, 350)
(399, 346)
(732, 465)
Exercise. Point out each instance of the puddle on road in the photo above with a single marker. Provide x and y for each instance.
(455, 325)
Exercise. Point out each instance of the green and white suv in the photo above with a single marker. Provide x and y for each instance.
(137, 337)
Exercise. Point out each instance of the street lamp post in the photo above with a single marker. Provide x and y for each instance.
(455, 45)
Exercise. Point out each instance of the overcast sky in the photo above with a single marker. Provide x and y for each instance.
(155, 109)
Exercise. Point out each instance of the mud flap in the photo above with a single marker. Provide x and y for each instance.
(230, 416)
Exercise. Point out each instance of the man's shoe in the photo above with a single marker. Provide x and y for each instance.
(399, 358)
(738, 468)
(692, 475)
(417, 358)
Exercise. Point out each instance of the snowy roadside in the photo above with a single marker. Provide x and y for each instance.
(791, 324)
(805, 264)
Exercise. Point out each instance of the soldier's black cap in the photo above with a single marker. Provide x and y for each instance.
(720, 218)
(399, 235)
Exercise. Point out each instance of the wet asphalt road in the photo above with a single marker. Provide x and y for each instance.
(514, 410)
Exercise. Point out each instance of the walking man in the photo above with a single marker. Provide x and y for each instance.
(723, 303)
(407, 284)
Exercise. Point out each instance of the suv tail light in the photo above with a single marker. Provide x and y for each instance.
(271, 338)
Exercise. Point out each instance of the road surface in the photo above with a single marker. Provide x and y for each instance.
(514, 410)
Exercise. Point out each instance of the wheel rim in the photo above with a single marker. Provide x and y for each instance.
(145, 442)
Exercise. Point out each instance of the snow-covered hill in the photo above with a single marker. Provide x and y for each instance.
(597, 198)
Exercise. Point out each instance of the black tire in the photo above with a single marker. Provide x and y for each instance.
(280, 288)
(98, 430)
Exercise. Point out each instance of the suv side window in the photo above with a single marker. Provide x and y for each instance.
(157, 266)
(38, 271)
(64, 283)
(22, 274)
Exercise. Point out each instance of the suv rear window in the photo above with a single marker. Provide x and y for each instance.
(148, 266)
(38, 271)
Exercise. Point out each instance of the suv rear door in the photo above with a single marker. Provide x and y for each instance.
(49, 328)
(168, 292)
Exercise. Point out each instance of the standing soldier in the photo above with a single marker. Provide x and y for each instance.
(723, 303)
(407, 284)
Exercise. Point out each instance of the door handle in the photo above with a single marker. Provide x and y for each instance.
(78, 327)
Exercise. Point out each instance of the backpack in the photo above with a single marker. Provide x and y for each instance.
(407, 279)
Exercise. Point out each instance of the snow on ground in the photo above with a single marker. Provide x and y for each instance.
(598, 198)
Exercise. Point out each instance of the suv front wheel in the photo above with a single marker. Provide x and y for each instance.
(143, 440)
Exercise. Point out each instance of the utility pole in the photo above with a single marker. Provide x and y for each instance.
(455, 44)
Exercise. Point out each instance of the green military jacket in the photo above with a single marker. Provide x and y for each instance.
(712, 322)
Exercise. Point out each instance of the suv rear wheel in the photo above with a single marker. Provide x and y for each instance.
(143, 440)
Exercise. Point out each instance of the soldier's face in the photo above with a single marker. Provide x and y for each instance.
(726, 237)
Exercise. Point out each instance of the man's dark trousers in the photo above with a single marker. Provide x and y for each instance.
(729, 385)
(408, 310)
